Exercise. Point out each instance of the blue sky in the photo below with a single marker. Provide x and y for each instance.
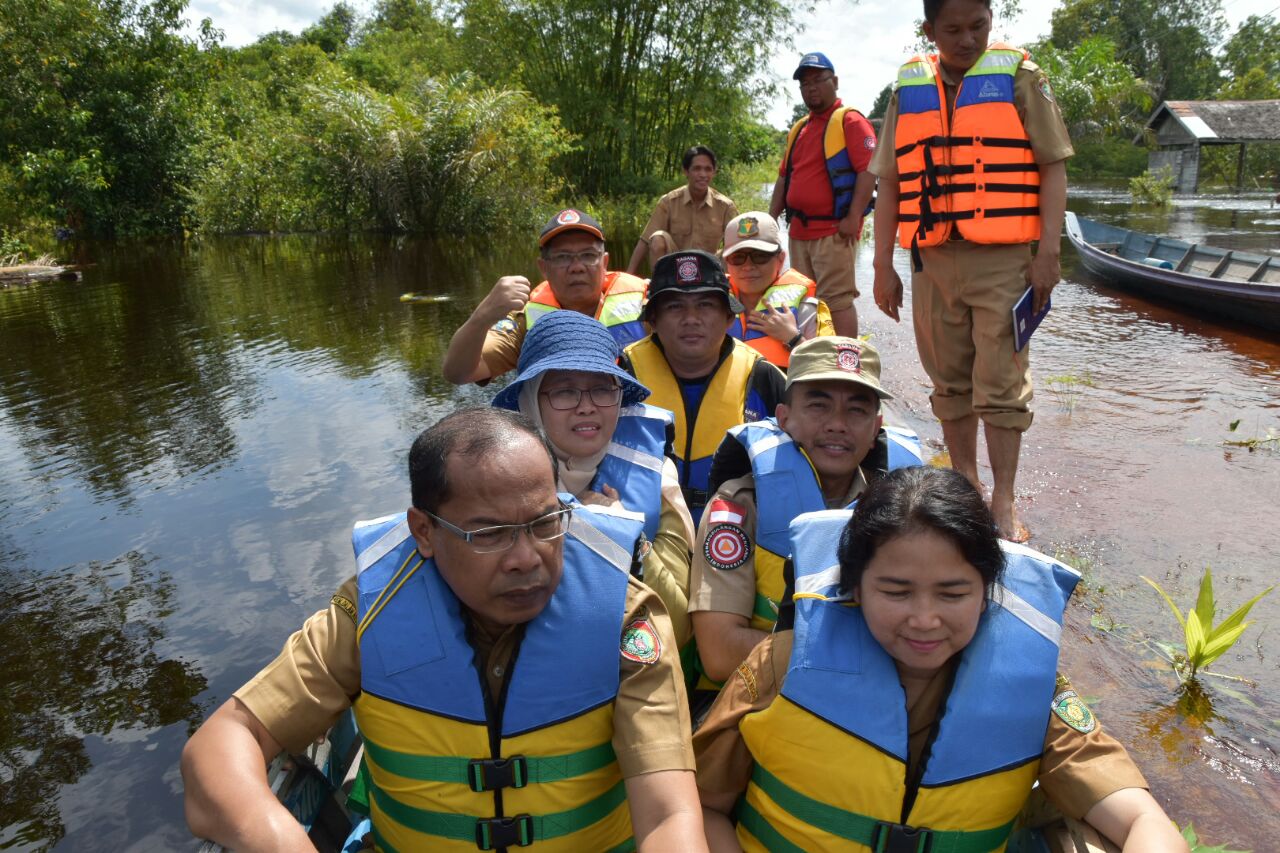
(866, 41)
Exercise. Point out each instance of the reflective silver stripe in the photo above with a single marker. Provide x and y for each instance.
(1038, 556)
(820, 582)
(602, 545)
(1028, 614)
(386, 543)
(616, 510)
(767, 444)
(635, 457)
(643, 410)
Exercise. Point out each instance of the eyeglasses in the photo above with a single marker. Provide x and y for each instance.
(568, 259)
(563, 399)
(815, 82)
(739, 259)
(501, 537)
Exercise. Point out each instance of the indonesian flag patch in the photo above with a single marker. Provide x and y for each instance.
(722, 510)
(640, 642)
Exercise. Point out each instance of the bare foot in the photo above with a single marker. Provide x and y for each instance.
(1011, 527)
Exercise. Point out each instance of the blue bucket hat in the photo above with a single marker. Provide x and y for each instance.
(567, 340)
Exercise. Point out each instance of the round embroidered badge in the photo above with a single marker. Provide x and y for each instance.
(1071, 709)
(640, 642)
(848, 358)
(687, 270)
(727, 547)
(568, 217)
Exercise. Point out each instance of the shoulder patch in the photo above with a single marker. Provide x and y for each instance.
(640, 642)
(344, 604)
(723, 510)
(727, 546)
(1071, 709)
(1043, 85)
(748, 680)
(506, 324)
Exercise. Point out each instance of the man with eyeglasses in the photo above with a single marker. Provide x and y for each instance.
(575, 268)
(513, 684)
(695, 369)
(786, 308)
(825, 189)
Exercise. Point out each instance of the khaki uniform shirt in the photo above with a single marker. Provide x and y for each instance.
(1032, 97)
(692, 225)
(1077, 770)
(734, 590)
(666, 566)
(317, 676)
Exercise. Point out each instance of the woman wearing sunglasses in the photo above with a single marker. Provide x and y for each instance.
(611, 447)
(783, 305)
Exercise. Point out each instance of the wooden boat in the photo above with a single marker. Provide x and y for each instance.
(1223, 282)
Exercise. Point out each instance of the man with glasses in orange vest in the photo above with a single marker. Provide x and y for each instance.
(825, 189)
(575, 267)
(782, 308)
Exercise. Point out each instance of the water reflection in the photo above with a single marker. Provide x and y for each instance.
(81, 654)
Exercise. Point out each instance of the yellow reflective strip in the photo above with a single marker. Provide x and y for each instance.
(388, 591)
(816, 596)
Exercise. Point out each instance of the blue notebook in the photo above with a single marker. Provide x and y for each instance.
(1024, 322)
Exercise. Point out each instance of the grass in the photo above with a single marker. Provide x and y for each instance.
(1066, 389)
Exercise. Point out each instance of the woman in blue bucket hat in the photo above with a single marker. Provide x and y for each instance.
(611, 446)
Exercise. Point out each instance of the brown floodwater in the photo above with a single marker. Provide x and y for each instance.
(187, 434)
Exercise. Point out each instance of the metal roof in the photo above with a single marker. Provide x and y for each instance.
(1212, 122)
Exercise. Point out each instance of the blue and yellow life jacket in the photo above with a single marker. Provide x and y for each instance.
(725, 402)
(786, 486)
(842, 709)
(840, 171)
(620, 310)
(633, 462)
(453, 768)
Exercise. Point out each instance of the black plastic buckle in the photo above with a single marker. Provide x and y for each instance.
(900, 838)
(493, 833)
(490, 774)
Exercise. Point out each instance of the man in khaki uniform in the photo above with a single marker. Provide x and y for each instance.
(831, 411)
(502, 556)
(689, 217)
(963, 291)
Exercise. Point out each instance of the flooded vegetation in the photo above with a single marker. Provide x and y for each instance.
(188, 432)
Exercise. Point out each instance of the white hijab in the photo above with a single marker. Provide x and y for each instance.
(576, 472)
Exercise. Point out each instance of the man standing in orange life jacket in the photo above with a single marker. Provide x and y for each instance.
(574, 265)
(824, 188)
(782, 306)
(689, 217)
(975, 172)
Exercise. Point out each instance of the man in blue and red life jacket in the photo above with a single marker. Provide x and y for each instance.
(825, 189)
(575, 269)
(513, 683)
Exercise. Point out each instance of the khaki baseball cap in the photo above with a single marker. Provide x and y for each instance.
(841, 359)
(754, 229)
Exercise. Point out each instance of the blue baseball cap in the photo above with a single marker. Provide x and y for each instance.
(813, 60)
(567, 340)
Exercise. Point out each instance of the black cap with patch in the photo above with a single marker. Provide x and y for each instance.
(692, 271)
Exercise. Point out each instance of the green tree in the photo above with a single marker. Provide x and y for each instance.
(881, 102)
(1168, 44)
(1099, 96)
(98, 107)
(1255, 46)
(404, 41)
(334, 31)
(637, 81)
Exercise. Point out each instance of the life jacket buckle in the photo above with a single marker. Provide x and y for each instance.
(900, 838)
(493, 833)
(490, 774)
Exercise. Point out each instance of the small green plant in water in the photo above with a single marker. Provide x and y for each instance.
(1066, 388)
(1198, 846)
(1206, 642)
(1154, 188)
(1255, 441)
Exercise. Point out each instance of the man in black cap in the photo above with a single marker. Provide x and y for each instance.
(825, 189)
(574, 265)
(710, 380)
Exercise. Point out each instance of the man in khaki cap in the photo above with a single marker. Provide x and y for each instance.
(813, 455)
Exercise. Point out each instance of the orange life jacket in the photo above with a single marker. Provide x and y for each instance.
(789, 290)
(974, 168)
(620, 311)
